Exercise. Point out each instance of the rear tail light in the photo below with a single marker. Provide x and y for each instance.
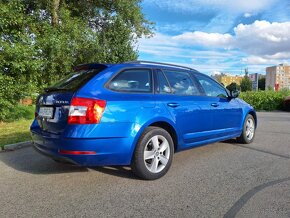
(86, 111)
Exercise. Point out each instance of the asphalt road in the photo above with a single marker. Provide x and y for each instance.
(217, 180)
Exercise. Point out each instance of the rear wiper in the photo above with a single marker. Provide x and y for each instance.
(51, 89)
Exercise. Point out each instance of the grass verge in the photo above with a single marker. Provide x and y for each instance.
(17, 131)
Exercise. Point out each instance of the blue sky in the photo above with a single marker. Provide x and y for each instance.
(218, 35)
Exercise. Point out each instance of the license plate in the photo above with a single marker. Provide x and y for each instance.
(46, 112)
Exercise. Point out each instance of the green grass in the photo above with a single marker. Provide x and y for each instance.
(17, 131)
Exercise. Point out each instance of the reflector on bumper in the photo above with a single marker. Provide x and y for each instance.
(76, 152)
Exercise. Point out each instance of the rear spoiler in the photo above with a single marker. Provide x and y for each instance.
(89, 66)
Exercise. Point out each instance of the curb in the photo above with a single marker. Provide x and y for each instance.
(16, 146)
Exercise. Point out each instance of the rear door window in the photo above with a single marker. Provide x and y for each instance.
(181, 83)
(132, 80)
(164, 87)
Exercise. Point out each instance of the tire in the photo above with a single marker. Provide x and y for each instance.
(249, 130)
(153, 154)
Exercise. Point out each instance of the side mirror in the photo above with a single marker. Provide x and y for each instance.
(235, 93)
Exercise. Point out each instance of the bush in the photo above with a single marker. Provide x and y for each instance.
(10, 94)
(19, 112)
(16, 112)
(265, 100)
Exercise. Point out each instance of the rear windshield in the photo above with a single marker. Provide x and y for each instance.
(75, 80)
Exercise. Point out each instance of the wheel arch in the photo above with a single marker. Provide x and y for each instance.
(170, 129)
(164, 123)
(253, 113)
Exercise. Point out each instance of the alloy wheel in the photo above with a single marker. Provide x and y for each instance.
(250, 129)
(156, 154)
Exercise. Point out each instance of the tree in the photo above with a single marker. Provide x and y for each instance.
(246, 84)
(262, 83)
(233, 86)
(41, 40)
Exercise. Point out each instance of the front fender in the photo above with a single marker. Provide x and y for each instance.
(253, 113)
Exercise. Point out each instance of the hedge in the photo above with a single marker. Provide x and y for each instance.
(265, 100)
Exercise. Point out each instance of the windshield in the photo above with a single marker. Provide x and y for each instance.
(74, 80)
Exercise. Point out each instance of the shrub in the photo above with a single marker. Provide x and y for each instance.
(19, 112)
(265, 100)
(16, 112)
(10, 94)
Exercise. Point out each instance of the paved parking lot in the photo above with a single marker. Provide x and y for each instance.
(217, 180)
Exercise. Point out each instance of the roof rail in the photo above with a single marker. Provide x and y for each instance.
(157, 63)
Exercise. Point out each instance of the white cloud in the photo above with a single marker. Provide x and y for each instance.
(279, 55)
(267, 59)
(213, 15)
(259, 38)
(206, 39)
(215, 73)
(208, 68)
(255, 60)
(163, 45)
(158, 39)
(263, 37)
(254, 45)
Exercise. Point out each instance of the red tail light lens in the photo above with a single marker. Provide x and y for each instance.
(86, 111)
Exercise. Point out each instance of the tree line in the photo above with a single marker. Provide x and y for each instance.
(246, 84)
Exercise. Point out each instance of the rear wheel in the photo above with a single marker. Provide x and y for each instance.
(248, 133)
(153, 154)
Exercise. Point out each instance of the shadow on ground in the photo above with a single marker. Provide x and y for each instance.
(29, 161)
(118, 171)
(231, 141)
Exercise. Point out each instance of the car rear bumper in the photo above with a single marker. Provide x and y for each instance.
(107, 151)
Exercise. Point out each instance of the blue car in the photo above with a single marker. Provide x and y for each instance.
(136, 114)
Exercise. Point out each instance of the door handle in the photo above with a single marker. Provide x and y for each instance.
(174, 105)
(214, 104)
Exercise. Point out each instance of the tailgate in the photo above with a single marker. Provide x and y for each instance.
(52, 111)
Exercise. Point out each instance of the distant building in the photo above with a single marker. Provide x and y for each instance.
(227, 79)
(254, 77)
(278, 77)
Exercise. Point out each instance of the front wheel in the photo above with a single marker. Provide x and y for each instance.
(248, 133)
(153, 154)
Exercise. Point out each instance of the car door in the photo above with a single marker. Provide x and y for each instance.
(131, 92)
(227, 116)
(180, 95)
